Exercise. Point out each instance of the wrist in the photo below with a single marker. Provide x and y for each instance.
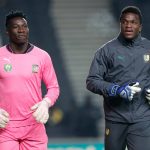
(113, 90)
(47, 101)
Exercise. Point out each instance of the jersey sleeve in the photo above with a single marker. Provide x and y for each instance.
(50, 80)
(95, 81)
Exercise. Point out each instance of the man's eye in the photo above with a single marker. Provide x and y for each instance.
(14, 27)
(134, 22)
(25, 26)
(124, 22)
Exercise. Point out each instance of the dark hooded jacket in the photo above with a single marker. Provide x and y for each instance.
(118, 62)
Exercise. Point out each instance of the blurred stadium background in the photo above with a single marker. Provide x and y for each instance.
(71, 31)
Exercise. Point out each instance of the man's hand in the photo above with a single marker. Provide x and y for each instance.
(129, 90)
(126, 91)
(41, 113)
(147, 95)
(4, 118)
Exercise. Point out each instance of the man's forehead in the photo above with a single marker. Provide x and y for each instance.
(130, 15)
(17, 20)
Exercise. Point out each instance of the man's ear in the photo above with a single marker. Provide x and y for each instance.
(140, 28)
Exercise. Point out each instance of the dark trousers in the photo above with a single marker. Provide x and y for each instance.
(136, 136)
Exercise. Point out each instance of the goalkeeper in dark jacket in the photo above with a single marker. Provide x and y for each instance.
(120, 71)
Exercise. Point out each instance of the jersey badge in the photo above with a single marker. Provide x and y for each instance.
(35, 68)
(107, 131)
(7, 67)
(146, 57)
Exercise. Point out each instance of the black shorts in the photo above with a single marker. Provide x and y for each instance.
(136, 136)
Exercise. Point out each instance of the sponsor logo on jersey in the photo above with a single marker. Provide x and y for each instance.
(146, 57)
(7, 67)
(35, 68)
(122, 58)
(7, 59)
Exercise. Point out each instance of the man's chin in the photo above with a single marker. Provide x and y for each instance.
(22, 42)
(129, 37)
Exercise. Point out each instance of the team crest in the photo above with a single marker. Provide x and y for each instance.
(7, 67)
(35, 68)
(107, 132)
(147, 57)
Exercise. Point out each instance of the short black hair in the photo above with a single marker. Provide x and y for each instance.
(131, 9)
(13, 14)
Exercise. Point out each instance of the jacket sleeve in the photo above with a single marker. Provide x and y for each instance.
(50, 80)
(95, 81)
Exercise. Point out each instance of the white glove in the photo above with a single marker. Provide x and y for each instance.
(134, 89)
(41, 113)
(127, 91)
(147, 95)
(4, 118)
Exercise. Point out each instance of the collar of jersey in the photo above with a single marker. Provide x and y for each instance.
(30, 47)
(133, 42)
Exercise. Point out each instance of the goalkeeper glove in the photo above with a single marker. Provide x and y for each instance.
(4, 118)
(126, 91)
(41, 113)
